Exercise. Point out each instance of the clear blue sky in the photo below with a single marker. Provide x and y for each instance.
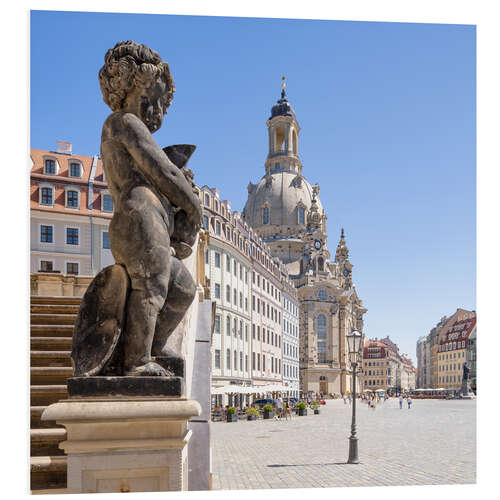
(388, 130)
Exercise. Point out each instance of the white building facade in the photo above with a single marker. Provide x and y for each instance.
(290, 327)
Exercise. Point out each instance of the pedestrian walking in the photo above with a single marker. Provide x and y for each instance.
(279, 404)
(345, 399)
(400, 402)
(288, 412)
(409, 402)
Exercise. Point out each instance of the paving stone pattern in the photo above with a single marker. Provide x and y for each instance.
(433, 443)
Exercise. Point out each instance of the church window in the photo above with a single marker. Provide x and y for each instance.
(301, 215)
(265, 215)
(276, 166)
(321, 326)
(320, 264)
(321, 352)
(322, 294)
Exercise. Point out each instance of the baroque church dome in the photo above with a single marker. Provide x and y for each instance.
(284, 193)
(279, 205)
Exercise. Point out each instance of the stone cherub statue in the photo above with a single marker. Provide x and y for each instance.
(132, 307)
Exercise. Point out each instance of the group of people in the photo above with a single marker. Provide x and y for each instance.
(408, 400)
(372, 399)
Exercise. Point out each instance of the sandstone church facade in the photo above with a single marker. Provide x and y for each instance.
(286, 211)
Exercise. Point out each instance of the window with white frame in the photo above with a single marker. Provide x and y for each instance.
(72, 198)
(217, 228)
(72, 236)
(217, 291)
(46, 266)
(217, 323)
(107, 203)
(46, 195)
(46, 234)
(105, 240)
(217, 259)
(72, 267)
(217, 358)
(205, 222)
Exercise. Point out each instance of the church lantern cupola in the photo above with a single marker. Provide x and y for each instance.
(283, 130)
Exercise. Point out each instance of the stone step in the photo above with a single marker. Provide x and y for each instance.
(51, 330)
(50, 358)
(54, 300)
(44, 395)
(45, 442)
(48, 473)
(50, 343)
(54, 309)
(53, 319)
(41, 375)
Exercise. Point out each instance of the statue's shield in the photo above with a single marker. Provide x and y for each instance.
(100, 321)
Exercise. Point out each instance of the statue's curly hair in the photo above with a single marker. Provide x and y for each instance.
(127, 65)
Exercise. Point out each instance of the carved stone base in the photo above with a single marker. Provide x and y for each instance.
(122, 445)
(97, 387)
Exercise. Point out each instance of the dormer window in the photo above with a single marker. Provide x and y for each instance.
(107, 203)
(207, 200)
(50, 166)
(74, 169)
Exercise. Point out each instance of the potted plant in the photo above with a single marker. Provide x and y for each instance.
(252, 413)
(268, 411)
(231, 414)
(315, 406)
(302, 407)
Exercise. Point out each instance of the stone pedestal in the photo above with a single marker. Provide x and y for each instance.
(465, 391)
(125, 444)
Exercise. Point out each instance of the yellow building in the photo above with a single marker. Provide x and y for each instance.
(452, 351)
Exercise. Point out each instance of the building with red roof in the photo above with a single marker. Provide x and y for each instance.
(71, 208)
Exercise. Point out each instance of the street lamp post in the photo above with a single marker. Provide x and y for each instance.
(354, 345)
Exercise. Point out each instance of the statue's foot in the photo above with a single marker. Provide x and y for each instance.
(165, 352)
(150, 369)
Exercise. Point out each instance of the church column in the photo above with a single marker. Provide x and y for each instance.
(289, 140)
(342, 339)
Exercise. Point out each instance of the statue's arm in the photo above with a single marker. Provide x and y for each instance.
(155, 165)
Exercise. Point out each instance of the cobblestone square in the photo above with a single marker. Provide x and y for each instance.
(433, 443)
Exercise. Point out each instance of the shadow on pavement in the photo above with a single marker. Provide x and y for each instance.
(306, 465)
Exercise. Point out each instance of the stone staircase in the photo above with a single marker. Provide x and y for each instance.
(52, 320)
